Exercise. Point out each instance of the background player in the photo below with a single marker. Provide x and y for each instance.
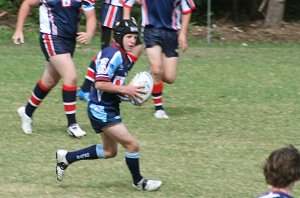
(58, 36)
(112, 67)
(162, 34)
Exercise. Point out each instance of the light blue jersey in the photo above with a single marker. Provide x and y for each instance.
(112, 65)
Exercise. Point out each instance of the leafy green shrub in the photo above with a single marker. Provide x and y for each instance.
(6, 4)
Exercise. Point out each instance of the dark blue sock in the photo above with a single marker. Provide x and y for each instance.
(132, 161)
(89, 153)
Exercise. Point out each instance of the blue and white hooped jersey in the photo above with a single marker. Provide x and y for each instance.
(112, 65)
(111, 11)
(61, 17)
(163, 13)
(275, 195)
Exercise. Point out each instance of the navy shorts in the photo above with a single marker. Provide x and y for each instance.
(102, 116)
(167, 39)
(53, 45)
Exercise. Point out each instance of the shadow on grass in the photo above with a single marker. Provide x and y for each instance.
(105, 185)
(182, 110)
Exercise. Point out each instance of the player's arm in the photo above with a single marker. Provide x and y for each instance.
(91, 25)
(126, 90)
(187, 7)
(126, 12)
(103, 79)
(127, 5)
(182, 38)
(24, 10)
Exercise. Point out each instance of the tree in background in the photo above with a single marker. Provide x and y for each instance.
(274, 12)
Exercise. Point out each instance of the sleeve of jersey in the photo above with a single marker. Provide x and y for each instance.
(128, 3)
(105, 67)
(88, 5)
(187, 6)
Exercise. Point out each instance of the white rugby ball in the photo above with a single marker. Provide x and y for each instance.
(145, 79)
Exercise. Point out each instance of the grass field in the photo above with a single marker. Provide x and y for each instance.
(229, 108)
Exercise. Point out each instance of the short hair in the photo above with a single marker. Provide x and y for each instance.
(282, 167)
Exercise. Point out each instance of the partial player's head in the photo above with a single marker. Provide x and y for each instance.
(282, 167)
(124, 27)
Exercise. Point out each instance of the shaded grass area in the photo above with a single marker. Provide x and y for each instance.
(229, 108)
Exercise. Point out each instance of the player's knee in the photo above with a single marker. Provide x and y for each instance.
(133, 147)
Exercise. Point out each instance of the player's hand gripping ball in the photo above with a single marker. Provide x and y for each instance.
(145, 79)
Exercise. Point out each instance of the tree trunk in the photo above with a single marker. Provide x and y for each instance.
(275, 13)
(235, 8)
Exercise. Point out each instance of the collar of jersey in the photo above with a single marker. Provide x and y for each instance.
(123, 52)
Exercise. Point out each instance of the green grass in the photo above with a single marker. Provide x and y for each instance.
(229, 108)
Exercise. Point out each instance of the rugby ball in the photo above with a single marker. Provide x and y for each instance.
(145, 79)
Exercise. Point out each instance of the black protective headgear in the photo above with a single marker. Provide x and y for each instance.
(125, 26)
